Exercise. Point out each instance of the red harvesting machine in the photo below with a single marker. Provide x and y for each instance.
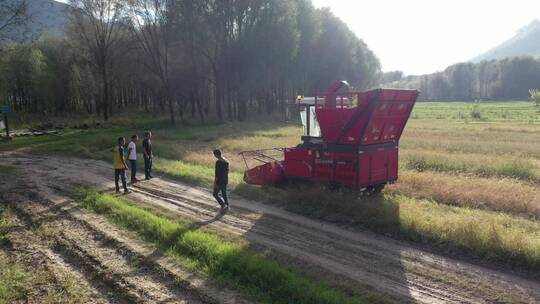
(350, 139)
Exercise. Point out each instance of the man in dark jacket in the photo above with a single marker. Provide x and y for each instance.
(221, 180)
(148, 155)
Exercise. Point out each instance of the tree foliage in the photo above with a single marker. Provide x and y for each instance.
(507, 79)
(207, 58)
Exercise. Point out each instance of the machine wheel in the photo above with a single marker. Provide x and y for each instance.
(333, 187)
(377, 189)
(373, 190)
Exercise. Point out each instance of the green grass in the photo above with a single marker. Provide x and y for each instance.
(6, 171)
(4, 224)
(4, 234)
(522, 111)
(254, 274)
(13, 281)
(192, 173)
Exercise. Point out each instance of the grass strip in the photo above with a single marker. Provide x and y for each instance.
(517, 168)
(487, 234)
(4, 235)
(196, 174)
(257, 276)
(13, 282)
(490, 235)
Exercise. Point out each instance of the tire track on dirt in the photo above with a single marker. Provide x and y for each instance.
(58, 278)
(100, 259)
(361, 258)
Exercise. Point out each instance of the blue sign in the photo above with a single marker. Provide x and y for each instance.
(5, 109)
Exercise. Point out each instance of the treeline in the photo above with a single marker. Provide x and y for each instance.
(507, 79)
(205, 58)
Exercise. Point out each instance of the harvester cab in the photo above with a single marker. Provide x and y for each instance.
(349, 139)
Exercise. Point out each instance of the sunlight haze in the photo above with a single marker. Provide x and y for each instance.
(421, 36)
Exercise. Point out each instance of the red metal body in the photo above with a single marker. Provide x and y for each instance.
(350, 139)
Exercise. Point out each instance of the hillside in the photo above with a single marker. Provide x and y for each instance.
(45, 16)
(526, 42)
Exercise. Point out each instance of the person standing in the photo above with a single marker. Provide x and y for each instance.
(148, 156)
(132, 157)
(221, 179)
(119, 165)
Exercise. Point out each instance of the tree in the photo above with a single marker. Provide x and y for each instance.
(21, 70)
(226, 58)
(151, 22)
(507, 79)
(97, 27)
(535, 96)
(389, 77)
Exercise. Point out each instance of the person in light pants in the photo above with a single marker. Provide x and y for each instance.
(132, 157)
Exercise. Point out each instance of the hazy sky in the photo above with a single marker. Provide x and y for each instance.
(423, 36)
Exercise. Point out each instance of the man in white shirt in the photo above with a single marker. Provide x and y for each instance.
(132, 157)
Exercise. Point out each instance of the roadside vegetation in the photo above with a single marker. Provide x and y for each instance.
(4, 233)
(230, 263)
(484, 234)
(12, 278)
(515, 111)
(475, 167)
(480, 165)
(12, 281)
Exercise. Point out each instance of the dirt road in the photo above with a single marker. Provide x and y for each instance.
(350, 259)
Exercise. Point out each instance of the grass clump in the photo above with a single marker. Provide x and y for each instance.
(486, 234)
(6, 171)
(254, 274)
(12, 282)
(512, 168)
(192, 173)
(506, 195)
(4, 234)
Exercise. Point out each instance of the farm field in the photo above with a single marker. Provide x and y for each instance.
(468, 190)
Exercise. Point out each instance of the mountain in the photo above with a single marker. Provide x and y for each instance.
(526, 42)
(44, 17)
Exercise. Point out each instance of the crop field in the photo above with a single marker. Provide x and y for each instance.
(468, 180)
(447, 156)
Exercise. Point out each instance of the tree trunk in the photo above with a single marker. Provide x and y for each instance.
(218, 96)
(171, 110)
(105, 106)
